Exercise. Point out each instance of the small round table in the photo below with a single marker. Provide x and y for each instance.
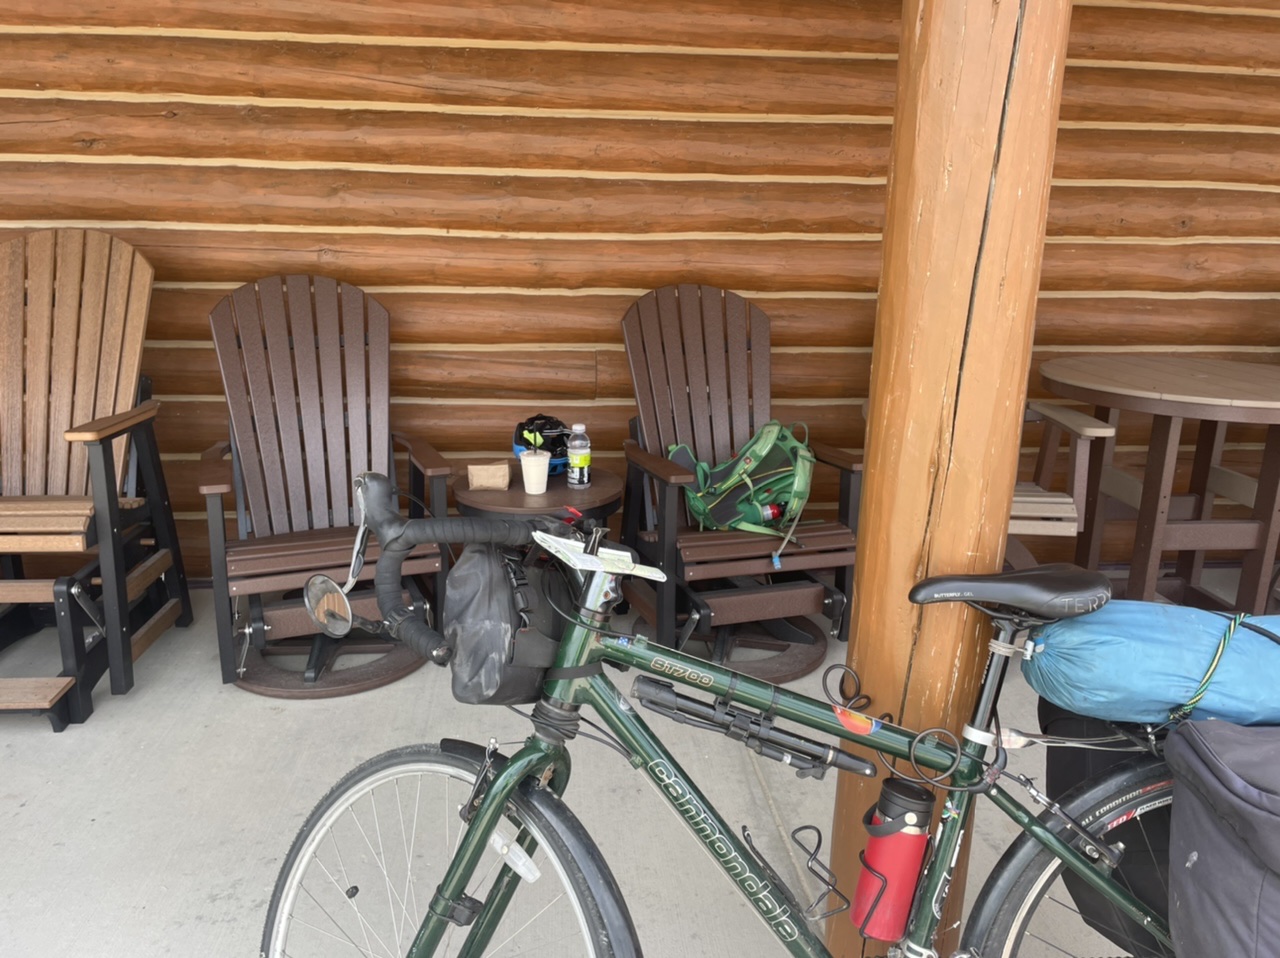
(598, 501)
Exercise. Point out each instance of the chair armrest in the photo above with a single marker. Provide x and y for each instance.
(108, 427)
(835, 457)
(215, 470)
(664, 470)
(1073, 421)
(423, 455)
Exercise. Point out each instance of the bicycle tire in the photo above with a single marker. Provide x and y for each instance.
(1026, 909)
(346, 886)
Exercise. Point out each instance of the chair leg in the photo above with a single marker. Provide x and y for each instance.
(86, 666)
(221, 588)
(115, 602)
(161, 513)
(665, 628)
(850, 506)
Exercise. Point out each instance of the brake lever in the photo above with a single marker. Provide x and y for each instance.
(357, 554)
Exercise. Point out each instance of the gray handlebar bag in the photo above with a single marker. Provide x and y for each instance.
(497, 621)
(1224, 884)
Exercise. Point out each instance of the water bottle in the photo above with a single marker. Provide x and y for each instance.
(898, 824)
(579, 457)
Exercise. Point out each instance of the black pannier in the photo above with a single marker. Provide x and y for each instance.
(502, 627)
(1144, 867)
(1224, 888)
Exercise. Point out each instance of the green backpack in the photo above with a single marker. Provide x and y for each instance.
(763, 488)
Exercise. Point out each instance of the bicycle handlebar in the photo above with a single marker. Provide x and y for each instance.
(397, 536)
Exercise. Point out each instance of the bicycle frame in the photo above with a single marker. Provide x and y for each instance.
(546, 760)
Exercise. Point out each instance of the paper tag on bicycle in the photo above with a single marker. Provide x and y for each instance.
(614, 561)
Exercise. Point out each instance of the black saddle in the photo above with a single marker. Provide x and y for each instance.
(1058, 591)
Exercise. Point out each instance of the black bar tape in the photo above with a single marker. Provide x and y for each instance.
(398, 536)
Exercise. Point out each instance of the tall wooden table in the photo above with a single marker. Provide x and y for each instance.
(1172, 388)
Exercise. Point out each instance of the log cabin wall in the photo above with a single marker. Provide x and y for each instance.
(506, 177)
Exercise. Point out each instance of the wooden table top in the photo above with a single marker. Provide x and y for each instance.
(1171, 385)
(605, 492)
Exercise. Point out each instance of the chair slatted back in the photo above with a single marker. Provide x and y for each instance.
(73, 312)
(305, 363)
(699, 360)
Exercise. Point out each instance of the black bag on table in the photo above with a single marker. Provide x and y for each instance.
(500, 625)
(1224, 890)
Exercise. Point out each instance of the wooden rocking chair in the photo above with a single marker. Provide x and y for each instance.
(73, 309)
(305, 365)
(700, 361)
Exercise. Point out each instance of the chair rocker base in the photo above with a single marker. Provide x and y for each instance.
(320, 679)
(736, 647)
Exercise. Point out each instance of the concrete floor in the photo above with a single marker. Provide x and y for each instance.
(157, 827)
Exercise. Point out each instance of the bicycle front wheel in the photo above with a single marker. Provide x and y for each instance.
(364, 867)
(1032, 907)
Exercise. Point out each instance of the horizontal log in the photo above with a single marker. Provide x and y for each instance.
(550, 373)
(643, 147)
(551, 316)
(1105, 33)
(771, 266)
(452, 76)
(1182, 156)
(534, 376)
(189, 426)
(188, 255)
(1219, 267)
(1166, 321)
(346, 199)
(439, 140)
(1198, 36)
(400, 200)
(811, 25)
(1134, 212)
(1119, 95)
(463, 78)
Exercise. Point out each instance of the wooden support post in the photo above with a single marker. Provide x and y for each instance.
(979, 86)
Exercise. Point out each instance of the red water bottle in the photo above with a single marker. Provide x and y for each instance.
(899, 828)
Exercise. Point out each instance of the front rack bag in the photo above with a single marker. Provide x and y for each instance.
(497, 621)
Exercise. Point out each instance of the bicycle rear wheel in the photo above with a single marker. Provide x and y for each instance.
(360, 874)
(1031, 907)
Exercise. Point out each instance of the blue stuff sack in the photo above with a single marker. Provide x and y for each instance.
(1143, 661)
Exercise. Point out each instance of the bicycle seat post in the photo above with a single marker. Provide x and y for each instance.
(1001, 648)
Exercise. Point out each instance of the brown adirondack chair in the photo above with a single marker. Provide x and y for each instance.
(304, 363)
(73, 308)
(700, 360)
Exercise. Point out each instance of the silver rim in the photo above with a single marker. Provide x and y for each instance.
(367, 871)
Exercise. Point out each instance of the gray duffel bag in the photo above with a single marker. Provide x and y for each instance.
(1224, 868)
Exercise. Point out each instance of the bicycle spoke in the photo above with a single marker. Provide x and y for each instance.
(359, 918)
(531, 920)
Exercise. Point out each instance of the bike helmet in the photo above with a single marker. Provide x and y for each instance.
(544, 432)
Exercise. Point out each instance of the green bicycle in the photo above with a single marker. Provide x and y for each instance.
(456, 849)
